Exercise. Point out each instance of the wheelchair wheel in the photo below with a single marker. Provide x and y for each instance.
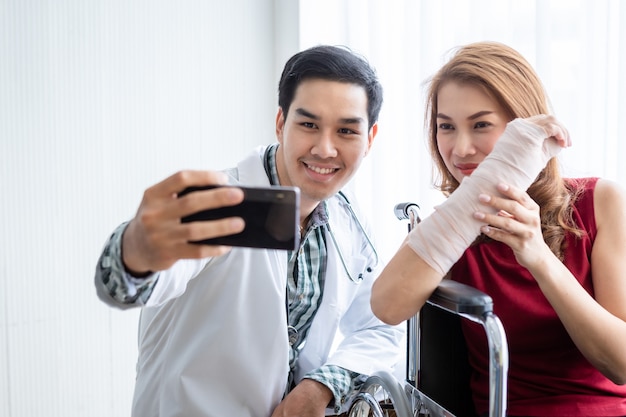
(381, 396)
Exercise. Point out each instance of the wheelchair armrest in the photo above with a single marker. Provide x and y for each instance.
(461, 299)
(443, 371)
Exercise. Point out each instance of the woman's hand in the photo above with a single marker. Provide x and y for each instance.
(516, 224)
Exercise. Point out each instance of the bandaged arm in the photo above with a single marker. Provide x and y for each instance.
(517, 158)
(432, 248)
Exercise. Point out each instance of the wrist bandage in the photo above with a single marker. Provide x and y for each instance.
(516, 159)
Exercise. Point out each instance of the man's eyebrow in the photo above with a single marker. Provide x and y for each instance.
(305, 113)
(345, 120)
(352, 120)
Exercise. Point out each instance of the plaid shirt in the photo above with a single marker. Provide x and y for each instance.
(304, 292)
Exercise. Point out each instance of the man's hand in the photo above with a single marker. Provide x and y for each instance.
(308, 399)
(155, 239)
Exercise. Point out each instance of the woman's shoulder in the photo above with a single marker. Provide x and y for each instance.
(610, 187)
(600, 199)
(609, 201)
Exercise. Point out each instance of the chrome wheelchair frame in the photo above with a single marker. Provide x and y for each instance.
(383, 395)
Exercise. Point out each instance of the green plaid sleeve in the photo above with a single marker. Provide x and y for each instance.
(340, 381)
(119, 284)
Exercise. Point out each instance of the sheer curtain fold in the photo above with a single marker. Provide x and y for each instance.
(578, 47)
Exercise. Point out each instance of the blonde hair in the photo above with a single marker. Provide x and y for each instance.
(503, 74)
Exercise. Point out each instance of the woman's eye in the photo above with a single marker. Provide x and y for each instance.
(445, 126)
(481, 125)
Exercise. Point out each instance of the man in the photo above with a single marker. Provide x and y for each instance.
(213, 336)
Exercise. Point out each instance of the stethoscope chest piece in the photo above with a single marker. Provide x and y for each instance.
(292, 334)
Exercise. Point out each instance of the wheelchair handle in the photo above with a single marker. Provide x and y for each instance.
(403, 210)
(461, 299)
(410, 211)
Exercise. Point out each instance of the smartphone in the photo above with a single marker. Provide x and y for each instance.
(271, 214)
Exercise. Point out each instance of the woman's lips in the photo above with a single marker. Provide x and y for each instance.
(466, 169)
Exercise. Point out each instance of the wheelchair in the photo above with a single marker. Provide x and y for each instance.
(437, 370)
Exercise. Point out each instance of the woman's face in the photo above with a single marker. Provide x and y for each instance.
(469, 122)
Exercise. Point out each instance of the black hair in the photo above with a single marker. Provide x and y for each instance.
(332, 63)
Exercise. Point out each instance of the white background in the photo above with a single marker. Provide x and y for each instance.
(101, 99)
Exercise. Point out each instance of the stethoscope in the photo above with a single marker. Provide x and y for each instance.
(369, 268)
(292, 332)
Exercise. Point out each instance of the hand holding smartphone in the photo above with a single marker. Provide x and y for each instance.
(271, 214)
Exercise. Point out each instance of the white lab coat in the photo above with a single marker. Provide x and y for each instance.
(213, 335)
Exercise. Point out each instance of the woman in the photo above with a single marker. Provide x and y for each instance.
(550, 251)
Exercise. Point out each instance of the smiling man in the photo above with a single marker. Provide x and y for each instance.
(259, 332)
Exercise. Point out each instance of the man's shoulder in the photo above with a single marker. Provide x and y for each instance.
(345, 195)
(249, 170)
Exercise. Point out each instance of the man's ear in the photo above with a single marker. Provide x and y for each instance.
(280, 125)
(370, 137)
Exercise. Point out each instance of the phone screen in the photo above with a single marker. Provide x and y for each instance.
(271, 215)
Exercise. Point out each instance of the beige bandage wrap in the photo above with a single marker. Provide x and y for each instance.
(517, 158)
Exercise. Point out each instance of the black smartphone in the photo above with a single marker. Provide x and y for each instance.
(272, 216)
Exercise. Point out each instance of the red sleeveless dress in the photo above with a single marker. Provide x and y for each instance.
(548, 376)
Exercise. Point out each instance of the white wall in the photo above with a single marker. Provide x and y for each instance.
(98, 100)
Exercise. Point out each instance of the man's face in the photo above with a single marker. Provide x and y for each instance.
(324, 138)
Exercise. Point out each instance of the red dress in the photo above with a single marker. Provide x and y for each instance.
(548, 376)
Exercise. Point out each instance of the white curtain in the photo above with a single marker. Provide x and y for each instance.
(578, 47)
